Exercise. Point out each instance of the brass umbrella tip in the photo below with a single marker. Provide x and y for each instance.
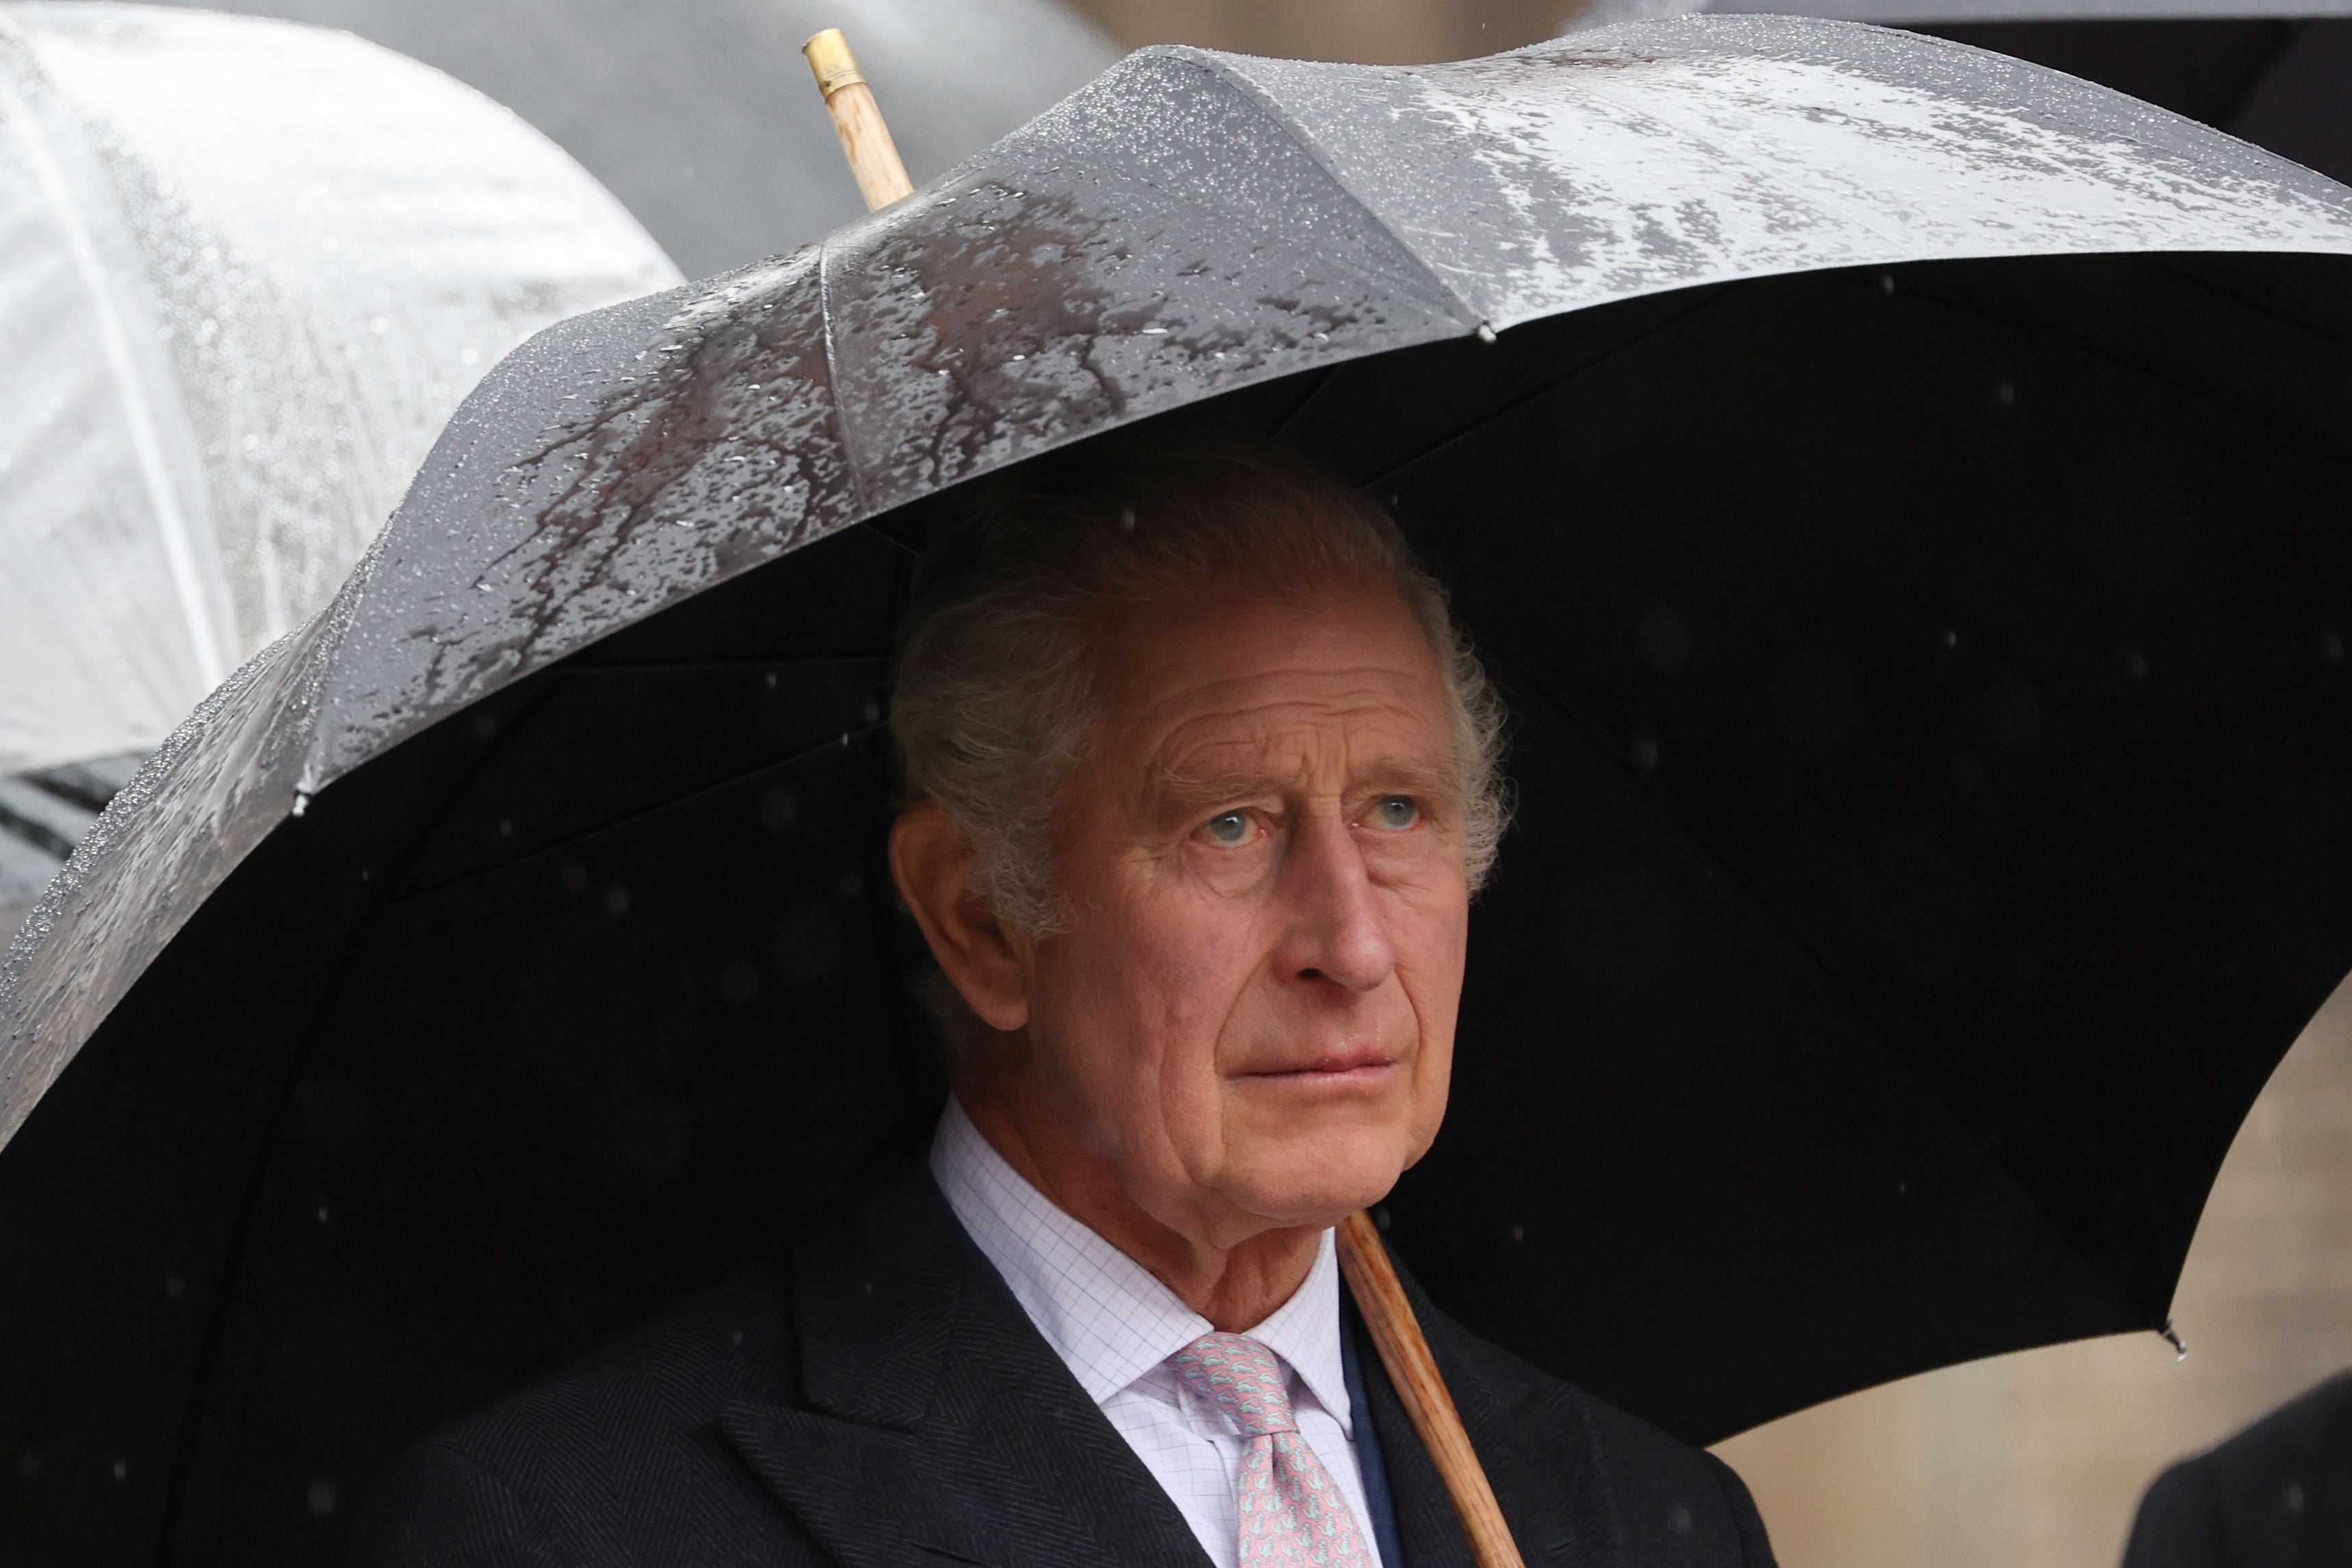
(829, 58)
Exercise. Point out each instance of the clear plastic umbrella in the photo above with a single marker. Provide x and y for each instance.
(248, 270)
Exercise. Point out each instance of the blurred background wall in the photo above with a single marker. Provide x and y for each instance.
(2038, 1460)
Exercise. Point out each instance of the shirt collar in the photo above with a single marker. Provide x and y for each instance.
(1104, 1313)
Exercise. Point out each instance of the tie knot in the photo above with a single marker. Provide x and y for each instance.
(1242, 1377)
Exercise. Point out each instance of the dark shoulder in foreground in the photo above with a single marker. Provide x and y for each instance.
(1567, 1465)
(618, 1460)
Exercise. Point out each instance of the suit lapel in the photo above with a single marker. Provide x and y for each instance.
(938, 1426)
(1555, 1525)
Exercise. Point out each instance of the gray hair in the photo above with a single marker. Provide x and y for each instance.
(994, 703)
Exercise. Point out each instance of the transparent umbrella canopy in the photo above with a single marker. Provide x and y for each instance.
(697, 112)
(248, 270)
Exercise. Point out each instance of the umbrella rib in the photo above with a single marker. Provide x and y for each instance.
(730, 780)
(208, 1355)
(849, 457)
(1831, 974)
(1709, 294)
(2056, 334)
(1216, 65)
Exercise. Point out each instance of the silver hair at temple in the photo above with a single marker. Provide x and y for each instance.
(993, 704)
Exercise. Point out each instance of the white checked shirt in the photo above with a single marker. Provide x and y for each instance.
(1116, 1326)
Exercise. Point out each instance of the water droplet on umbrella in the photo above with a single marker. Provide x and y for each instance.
(1485, 333)
(174, 1286)
(2004, 396)
(322, 1214)
(1518, 1232)
(321, 1498)
(1643, 751)
(2291, 1495)
(1886, 282)
(2136, 665)
(2331, 646)
(506, 828)
(617, 901)
(121, 1469)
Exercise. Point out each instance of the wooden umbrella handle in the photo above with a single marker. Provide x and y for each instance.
(856, 119)
(1396, 1334)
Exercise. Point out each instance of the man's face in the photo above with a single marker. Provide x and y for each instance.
(1249, 1011)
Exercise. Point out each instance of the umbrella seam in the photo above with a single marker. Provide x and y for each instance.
(849, 456)
(1881, 1030)
(364, 919)
(1300, 137)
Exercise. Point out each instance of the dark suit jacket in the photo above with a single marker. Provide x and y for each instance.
(884, 1400)
(2277, 1495)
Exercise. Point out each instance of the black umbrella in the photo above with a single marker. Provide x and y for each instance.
(1901, 491)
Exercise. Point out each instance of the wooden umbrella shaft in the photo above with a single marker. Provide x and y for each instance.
(1396, 1334)
(856, 119)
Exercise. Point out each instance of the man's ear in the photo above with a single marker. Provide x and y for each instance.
(930, 860)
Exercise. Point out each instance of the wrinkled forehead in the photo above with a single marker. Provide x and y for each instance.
(1229, 684)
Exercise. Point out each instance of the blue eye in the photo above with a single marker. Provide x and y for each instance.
(1230, 831)
(1396, 813)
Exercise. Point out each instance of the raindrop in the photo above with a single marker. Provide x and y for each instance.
(1518, 1233)
(1380, 1219)
(1126, 520)
(2136, 665)
(121, 1469)
(174, 1286)
(741, 982)
(872, 711)
(2331, 646)
(575, 877)
(322, 1214)
(301, 801)
(506, 828)
(322, 1498)
(1665, 640)
(1886, 282)
(1643, 751)
(1951, 639)
(2004, 396)
(1679, 1518)
(770, 680)
(1968, 774)
(779, 809)
(852, 884)
(28, 1465)
(617, 901)
(2292, 1496)
(2172, 1337)
(1485, 333)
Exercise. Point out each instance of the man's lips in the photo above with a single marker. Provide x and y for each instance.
(1343, 1063)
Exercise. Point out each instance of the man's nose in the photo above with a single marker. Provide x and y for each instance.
(1335, 933)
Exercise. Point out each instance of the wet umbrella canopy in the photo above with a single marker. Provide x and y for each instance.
(1901, 492)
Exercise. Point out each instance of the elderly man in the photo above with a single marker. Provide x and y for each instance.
(1200, 781)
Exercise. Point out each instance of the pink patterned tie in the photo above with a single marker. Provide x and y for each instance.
(1293, 1514)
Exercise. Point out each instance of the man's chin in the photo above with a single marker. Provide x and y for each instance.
(1311, 1193)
